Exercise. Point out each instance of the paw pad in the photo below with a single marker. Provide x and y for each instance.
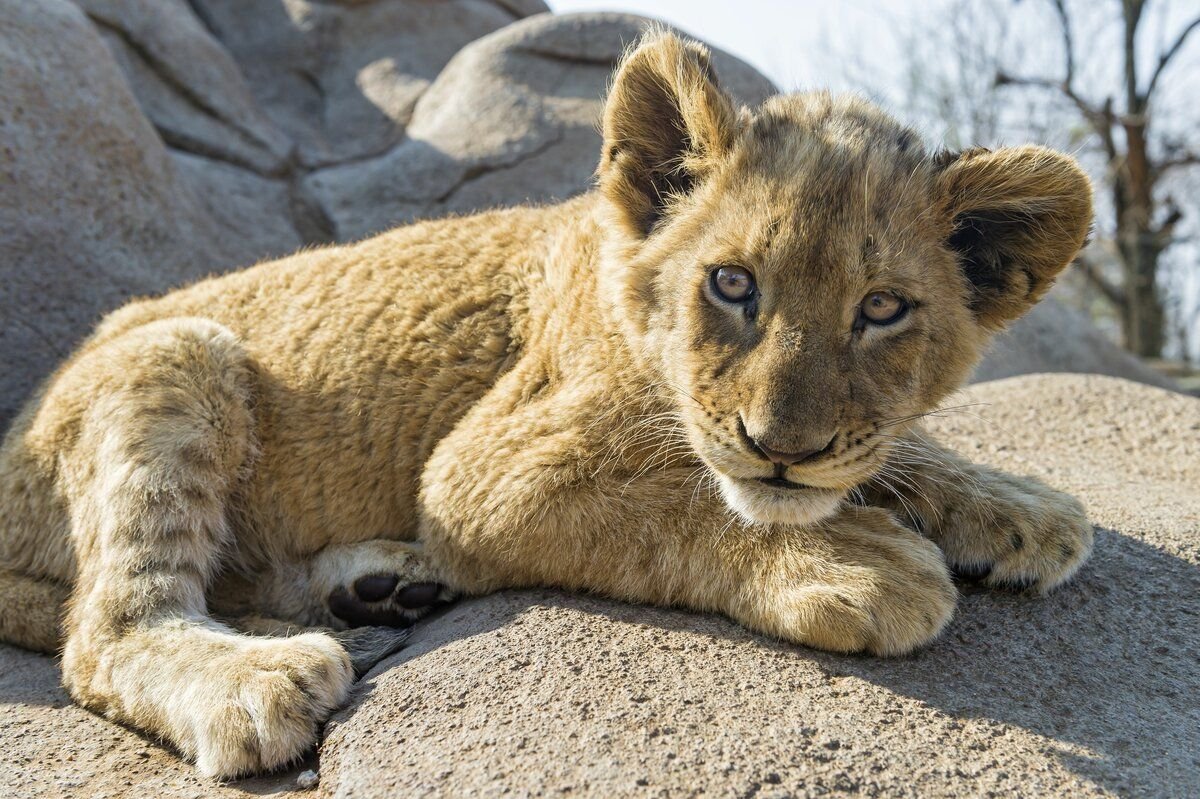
(380, 600)
(376, 587)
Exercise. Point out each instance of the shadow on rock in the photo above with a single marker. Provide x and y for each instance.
(1105, 668)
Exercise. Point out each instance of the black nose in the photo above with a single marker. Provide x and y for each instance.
(789, 458)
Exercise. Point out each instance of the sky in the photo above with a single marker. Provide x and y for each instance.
(799, 43)
(790, 42)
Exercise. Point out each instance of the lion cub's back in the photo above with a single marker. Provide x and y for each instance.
(367, 355)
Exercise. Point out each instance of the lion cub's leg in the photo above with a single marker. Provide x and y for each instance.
(32, 609)
(162, 444)
(1006, 530)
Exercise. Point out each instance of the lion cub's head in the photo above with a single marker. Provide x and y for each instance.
(805, 276)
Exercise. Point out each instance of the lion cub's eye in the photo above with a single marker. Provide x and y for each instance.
(733, 283)
(882, 308)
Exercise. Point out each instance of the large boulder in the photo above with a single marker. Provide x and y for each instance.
(1056, 338)
(512, 118)
(341, 78)
(187, 83)
(92, 210)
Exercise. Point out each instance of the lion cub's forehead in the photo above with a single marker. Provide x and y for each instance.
(823, 183)
(833, 158)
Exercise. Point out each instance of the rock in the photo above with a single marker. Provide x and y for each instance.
(1055, 338)
(342, 78)
(92, 210)
(512, 118)
(261, 214)
(1087, 692)
(187, 84)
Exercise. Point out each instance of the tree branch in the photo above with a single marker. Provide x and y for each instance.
(1064, 23)
(1132, 12)
(1101, 119)
(1166, 57)
(1181, 159)
(1112, 292)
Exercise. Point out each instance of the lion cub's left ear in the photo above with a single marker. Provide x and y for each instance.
(1018, 215)
(665, 122)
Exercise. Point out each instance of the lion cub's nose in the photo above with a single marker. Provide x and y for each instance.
(788, 458)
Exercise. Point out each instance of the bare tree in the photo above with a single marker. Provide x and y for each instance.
(1138, 159)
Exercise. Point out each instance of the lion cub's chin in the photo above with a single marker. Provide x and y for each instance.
(765, 505)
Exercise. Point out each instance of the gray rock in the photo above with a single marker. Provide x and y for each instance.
(260, 214)
(92, 210)
(1088, 692)
(187, 84)
(512, 118)
(342, 78)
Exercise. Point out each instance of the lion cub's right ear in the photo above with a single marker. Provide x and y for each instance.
(665, 123)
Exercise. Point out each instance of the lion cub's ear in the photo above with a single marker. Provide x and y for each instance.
(1018, 215)
(664, 124)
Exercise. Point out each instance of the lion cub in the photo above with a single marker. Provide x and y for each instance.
(698, 385)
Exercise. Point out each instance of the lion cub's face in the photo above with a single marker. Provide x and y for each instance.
(811, 281)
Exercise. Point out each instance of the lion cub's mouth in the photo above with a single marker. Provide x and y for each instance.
(776, 499)
(783, 482)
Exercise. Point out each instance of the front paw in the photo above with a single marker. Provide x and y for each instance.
(259, 706)
(1016, 533)
(877, 587)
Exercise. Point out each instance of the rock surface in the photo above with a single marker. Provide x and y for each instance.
(1055, 338)
(341, 78)
(1088, 692)
(92, 210)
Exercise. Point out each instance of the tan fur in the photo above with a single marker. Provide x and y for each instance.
(548, 396)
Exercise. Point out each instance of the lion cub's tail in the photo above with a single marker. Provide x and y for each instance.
(30, 611)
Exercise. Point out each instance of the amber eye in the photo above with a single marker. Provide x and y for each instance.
(733, 283)
(882, 308)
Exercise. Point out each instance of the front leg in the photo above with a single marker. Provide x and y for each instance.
(1006, 530)
(527, 492)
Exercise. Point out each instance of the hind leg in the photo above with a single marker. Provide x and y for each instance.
(163, 443)
(30, 611)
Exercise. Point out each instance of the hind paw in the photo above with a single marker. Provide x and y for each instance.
(379, 584)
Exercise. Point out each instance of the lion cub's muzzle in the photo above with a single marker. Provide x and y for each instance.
(779, 492)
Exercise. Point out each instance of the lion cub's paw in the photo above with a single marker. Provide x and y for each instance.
(379, 584)
(907, 604)
(1020, 535)
(890, 604)
(263, 703)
